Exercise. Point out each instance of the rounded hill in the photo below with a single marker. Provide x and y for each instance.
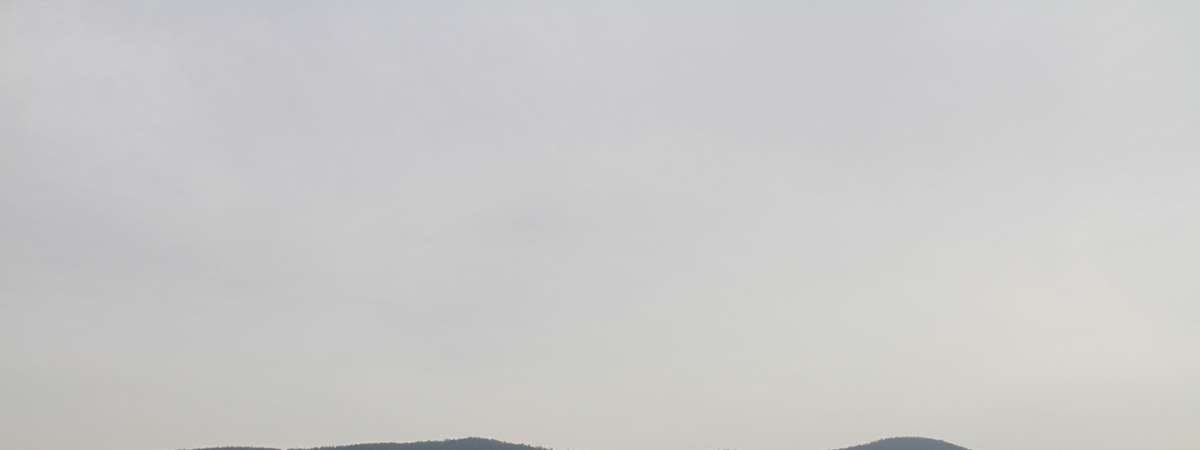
(472, 443)
(907, 443)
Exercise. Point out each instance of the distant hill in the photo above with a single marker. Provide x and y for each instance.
(451, 444)
(907, 443)
(899, 443)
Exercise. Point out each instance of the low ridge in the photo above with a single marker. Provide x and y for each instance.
(474, 443)
(471, 443)
(907, 443)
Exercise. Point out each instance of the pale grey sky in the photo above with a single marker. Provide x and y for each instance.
(600, 225)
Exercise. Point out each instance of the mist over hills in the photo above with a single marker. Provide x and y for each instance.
(898, 443)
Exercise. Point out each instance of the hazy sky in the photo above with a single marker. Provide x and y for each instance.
(673, 225)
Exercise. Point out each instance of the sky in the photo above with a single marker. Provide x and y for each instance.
(658, 225)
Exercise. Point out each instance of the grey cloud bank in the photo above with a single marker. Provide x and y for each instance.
(623, 226)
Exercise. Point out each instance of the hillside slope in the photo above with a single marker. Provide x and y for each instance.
(450, 444)
(899, 443)
(907, 443)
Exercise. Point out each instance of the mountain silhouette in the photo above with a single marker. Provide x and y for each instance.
(472, 443)
(907, 443)
(898, 443)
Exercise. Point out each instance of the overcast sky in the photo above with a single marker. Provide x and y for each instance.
(671, 225)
